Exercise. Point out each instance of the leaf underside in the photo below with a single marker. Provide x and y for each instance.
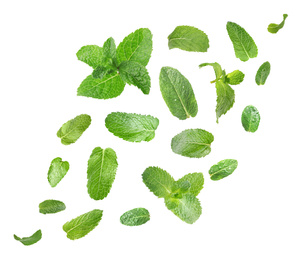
(27, 241)
(51, 206)
(135, 217)
(262, 73)
(57, 171)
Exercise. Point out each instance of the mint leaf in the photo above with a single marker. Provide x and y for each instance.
(134, 73)
(274, 28)
(137, 47)
(250, 119)
(158, 181)
(262, 73)
(27, 241)
(82, 225)
(101, 71)
(51, 206)
(187, 208)
(178, 93)
(225, 98)
(109, 58)
(243, 43)
(188, 38)
(132, 127)
(110, 86)
(101, 172)
(222, 169)
(57, 171)
(135, 217)
(217, 68)
(193, 143)
(195, 181)
(73, 129)
(91, 55)
(235, 77)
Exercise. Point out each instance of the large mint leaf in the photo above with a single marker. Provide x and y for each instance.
(274, 28)
(91, 55)
(136, 47)
(109, 86)
(225, 98)
(262, 73)
(51, 206)
(243, 43)
(250, 119)
(187, 208)
(135, 217)
(135, 74)
(57, 171)
(188, 38)
(158, 181)
(222, 169)
(178, 93)
(194, 143)
(73, 129)
(27, 241)
(195, 181)
(132, 127)
(101, 172)
(82, 225)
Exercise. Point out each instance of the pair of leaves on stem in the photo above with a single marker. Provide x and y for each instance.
(114, 67)
(225, 94)
(180, 195)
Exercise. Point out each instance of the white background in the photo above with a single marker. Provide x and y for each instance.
(255, 213)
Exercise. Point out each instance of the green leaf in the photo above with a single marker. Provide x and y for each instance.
(73, 129)
(102, 71)
(158, 181)
(187, 208)
(225, 98)
(274, 28)
(91, 55)
(132, 127)
(222, 169)
(83, 224)
(101, 172)
(109, 58)
(250, 119)
(110, 86)
(178, 93)
(135, 217)
(217, 68)
(193, 143)
(136, 47)
(27, 241)
(51, 206)
(195, 181)
(243, 43)
(134, 73)
(57, 171)
(188, 38)
(262, 73)
(235, 77)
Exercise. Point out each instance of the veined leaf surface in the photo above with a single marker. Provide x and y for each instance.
(135, 217)
(262, 73)
(250, 119)
(91, 55)
(222, 169)
(27, 241)
(51, 206)
(57, 171)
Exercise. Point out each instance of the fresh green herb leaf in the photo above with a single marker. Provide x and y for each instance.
(250, 119)
(109, 58)
(188, 38)
(110, 86)
(222, 169)
(102, 71)
(136, 47)
(83, 224)
(194, 143)
(135, 217)
(187, 208)
(274, 28)
(51, 206)
(132, 127)
(158, 181)
(134, 73)
(243, 43)
(101, 172)
(177, 93)
(91, 55)
(57, 171)
(217, 68)
(235, 77)
(195, 181)
(73, 129)
(27, 241)
(262, 73)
